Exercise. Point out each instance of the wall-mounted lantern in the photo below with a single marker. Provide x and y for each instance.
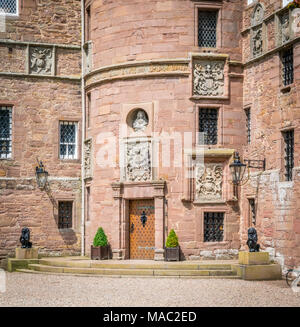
(238, 168)
(41, 175)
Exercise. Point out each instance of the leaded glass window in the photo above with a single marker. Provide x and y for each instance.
(208, 125)
(68, 140)
(288, 66)
(207, 28)
(9, 7)
(213, 226)
(289, 154)
(5, 132)
(65, 212)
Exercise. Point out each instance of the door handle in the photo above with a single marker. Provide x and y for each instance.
(132, 228)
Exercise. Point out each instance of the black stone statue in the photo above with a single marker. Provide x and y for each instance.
(252, 240)
(25, 238)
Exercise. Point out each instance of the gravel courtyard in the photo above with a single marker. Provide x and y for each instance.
(60, 290)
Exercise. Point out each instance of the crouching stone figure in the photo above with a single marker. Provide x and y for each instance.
(252, 240)
(25, 238)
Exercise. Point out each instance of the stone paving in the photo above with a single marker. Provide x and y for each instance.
(63, 290)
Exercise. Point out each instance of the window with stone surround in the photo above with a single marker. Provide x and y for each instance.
(88, 23)
(87, 202)
(208, 125)
(252, 212)
(65, 214)
(68, 140)
(5, 132)
(88, 110)
(288, 137)
(207, 28)
(213, 226)
(9, 7)
(248, 124)
(287, 59)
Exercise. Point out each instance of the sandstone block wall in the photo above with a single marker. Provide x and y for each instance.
(40, 98)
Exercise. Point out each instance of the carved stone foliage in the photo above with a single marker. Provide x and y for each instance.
(258, 15)
(209, 179)
(284, 28)
(138, 161)
(257, 42)
(208, 78)
(88, 159)
(40, 60)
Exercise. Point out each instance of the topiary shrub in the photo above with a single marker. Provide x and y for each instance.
(100, 238)
(294, 4)
(172, 240)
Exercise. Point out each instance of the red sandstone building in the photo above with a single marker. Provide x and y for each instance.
(143, 112)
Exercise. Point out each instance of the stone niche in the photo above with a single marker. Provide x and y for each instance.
(88, 158)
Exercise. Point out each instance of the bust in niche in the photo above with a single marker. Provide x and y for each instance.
(140, 122)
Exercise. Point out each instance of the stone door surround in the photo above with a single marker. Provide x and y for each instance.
(122, 194)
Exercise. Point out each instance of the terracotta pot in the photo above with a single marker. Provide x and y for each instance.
(172, 254)
(100, 252)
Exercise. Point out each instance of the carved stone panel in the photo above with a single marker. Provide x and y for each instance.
(284, 27)
(208, 78)
(87, 57)
(40, 60)
(257, 41)
(88, 159)
(209, 179)
(258, 15)
(138, 161)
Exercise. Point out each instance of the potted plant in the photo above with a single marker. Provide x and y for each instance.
(100, 247)
(172, 250)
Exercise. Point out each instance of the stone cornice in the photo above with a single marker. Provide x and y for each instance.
(138, 69)
(69, 78)
(26, 43)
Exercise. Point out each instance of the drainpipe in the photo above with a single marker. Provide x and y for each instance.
(83, 134)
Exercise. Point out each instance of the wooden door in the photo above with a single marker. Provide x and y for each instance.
(142, 238)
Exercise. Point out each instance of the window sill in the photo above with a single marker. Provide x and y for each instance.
(69, 160)
(287, 88)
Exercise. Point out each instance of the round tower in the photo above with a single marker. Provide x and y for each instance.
(163, 109)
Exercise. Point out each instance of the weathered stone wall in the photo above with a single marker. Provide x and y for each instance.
(273, 110)
(46, 21)
(39, 102)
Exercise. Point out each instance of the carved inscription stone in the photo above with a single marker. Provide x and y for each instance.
(88, 158)
(208, 77)
(209, 179)
(138, 167)
(40, 60)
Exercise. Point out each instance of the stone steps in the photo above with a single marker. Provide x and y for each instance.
(43, 272)
(144, 265)
(119, 270)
